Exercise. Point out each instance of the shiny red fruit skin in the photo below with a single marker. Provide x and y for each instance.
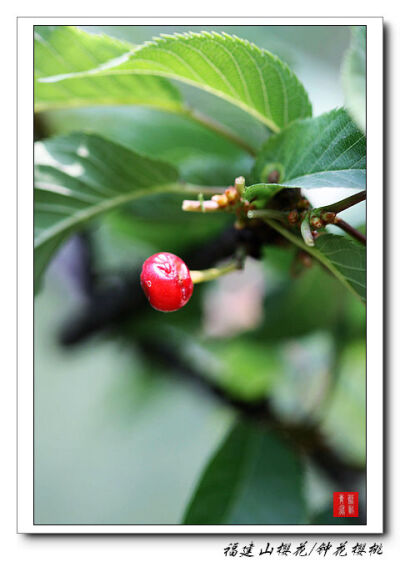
(166, 281)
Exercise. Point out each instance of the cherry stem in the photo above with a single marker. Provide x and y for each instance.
(199, 276)
(350, 230)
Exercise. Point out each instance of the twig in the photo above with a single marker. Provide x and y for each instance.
(343, 204)
(351, 230)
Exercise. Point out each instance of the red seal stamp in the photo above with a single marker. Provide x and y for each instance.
(345, 504)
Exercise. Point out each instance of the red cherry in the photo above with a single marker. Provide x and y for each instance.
(166, 281)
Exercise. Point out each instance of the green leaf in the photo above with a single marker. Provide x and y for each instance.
(353, 76)
(234, 69)
(327, 151)
(202, 156)
(293, 306)
(254, 478)
(247, 370)
(129, 228)
(66, 50)
(80, 176)
(345, 259)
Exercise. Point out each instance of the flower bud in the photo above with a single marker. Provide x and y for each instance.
(221, 200)
(232, 195)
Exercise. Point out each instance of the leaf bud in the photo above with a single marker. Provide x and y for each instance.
(273, 176)
(316, 222)
(293, 217)
(328, 217)
(303, 204)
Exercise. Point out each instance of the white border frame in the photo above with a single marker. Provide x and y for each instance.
(374, 497)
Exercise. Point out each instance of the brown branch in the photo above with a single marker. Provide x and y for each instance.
(306, 437)
(351, 230)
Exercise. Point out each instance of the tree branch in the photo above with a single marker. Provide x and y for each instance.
(343, 204)
(122, 298)
(306, 437)
(351, 230)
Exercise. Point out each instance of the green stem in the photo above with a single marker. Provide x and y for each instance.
(267, 214)
(199, 276)
(312, 251)
(220, 129)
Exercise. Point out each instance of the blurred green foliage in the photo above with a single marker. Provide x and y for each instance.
(123, 437)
